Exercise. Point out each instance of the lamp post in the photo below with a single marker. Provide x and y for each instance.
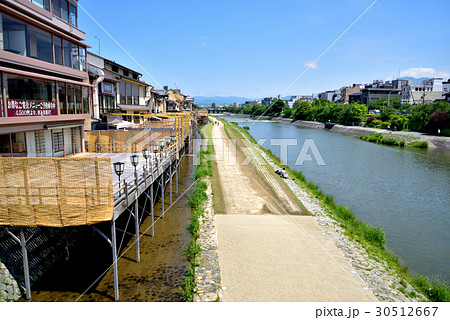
(155, 150)
(162, 143)
(146, 155)
(118, 169)
(134, 161)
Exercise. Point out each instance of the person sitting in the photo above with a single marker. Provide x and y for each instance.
(284, 174)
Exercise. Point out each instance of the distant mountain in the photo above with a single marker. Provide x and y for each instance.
(207, 101)
(415, 80)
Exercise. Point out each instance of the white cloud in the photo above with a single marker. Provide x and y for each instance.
(423, 72)
(311, 64)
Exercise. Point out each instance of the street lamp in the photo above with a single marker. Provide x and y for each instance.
(162, 143)
(118, 169)
(134, 161)
(155, 151)
(146, 155)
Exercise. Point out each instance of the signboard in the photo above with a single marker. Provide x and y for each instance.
(30, 108)
(107, 87)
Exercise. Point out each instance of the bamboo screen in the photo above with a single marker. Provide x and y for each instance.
(55, 192)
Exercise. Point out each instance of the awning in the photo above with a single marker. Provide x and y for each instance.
(133, 107)
(121, 124)
(63, 125)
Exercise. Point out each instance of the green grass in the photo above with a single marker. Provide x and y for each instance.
(373, 239)
(379, 138)
(418, 144)
(196, 199)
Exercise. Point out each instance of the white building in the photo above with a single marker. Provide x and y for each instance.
(427, 92)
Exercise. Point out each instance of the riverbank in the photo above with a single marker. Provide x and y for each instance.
(377, 276)
(408, 137)
(344, 217)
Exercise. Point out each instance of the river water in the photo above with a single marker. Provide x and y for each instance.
(403, 190)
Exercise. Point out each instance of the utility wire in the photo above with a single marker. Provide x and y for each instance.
(317, 59)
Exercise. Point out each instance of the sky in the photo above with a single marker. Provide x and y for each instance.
(258, 48)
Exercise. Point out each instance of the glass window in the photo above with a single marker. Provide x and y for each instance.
(82, 59)
(19, 88)
(85, 98)
(5, 145)
(14, 35)
(40, 44)
(58, 50)
(123, 93)
(62, 98)
(39, 140)
(65, 10)
(19, 145)
(78, 101)
(70, 99)
(44, 4)
(75, 57)
(73, 15)
(135, 94)
(57, 8)
(67, 48)
(58, 141)
(129, 99)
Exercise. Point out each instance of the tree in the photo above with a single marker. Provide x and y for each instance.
(302, 109)
(213, 105)
(438, 120)
(276, 107)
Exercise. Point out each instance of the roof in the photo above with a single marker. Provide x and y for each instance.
(160, 92)
(133, 107)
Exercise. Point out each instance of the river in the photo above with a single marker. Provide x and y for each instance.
(403, 190)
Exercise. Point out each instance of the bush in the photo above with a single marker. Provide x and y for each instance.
(418, 144)
(345, 214)
(246, 128)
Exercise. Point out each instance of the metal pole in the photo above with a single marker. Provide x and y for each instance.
(26, 270)
(136, 225)
(114, 253)
(162, 194)
(176, 176)
(151, 209)
(170, 182)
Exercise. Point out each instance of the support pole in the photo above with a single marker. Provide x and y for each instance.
(162, 194)
(176, 176)
(114, 254)
(136, 225)
(151, 210)
(26, 270)
(170, 182)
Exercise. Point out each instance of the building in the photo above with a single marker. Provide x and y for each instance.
(117, 89)
(347, 91)
(178, 101)
(252, 102)
(268, 101)
(44, 84)
(368, 95)
(330, 95)
(427, 92)
(446, 90)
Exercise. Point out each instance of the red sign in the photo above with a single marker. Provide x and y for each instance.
(30, 108)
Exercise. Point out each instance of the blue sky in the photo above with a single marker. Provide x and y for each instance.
(259, 48)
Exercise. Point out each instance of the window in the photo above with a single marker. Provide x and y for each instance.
(57, 8)
(135, 76)
(58, 142)
(129, 98)
(135, 94)
(65, 10)
(78, 101)
(67, 48)
(83, 59)
(39, 140)
(75, 57)
(58, 50)
(123, 93)
(115, 69)
(70, 99)
(44, 4)
(73, 15)
(62, 98)
(19, 88)
(85, 99)
(40, 44)
(126, 73)
(14, 35)
(107, 104)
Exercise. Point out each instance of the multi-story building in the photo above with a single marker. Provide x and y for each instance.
(268, 101)
(347, 91)
(117, 89)
(427, 92)
(446, 90)
(368, 95)
(330, 95)
(44, 85)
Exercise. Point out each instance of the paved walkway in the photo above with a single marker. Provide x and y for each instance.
(268, 256)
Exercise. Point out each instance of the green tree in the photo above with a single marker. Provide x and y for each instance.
(302, 109)
(213, 105)
(276, 107)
